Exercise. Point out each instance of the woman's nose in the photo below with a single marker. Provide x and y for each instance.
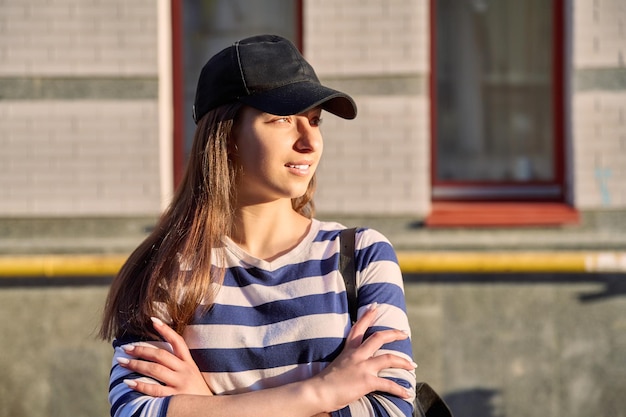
(309, 136)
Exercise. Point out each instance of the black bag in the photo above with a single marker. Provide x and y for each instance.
(427, 402)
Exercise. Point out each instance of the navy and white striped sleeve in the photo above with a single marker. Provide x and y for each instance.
(126, 402)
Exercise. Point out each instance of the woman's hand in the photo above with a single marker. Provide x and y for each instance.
(354, 373)
(177, 370)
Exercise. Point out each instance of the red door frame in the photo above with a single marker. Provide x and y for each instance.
(178, 83)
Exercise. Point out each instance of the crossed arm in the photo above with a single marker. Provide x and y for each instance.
(352, 375)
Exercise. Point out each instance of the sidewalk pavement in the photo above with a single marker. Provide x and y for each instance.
(98, 246)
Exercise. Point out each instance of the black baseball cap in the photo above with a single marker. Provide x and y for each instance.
(266, 72)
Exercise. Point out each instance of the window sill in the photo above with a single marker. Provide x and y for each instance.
(500, 214)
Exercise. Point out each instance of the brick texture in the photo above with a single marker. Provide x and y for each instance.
(599, 125)
(78, 158)
(378, 163)
(365, 37)
(599, 33)
(76, 37)
(75, 157)
(599, 114)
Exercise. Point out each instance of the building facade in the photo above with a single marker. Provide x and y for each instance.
(504, 107)
(93, 117)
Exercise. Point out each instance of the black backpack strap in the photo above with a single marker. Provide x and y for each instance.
(428, 403)
(348, 270)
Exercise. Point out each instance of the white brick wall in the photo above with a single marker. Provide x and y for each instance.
(78, 158)
(379, 162)
(365, 37)
(599, 125)
(599, 33)
(78, 37)
(599, 116)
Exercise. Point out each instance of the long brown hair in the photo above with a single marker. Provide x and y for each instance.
(171, 272)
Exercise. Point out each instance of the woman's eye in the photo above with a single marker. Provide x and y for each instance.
(282, 120)
(316, 121)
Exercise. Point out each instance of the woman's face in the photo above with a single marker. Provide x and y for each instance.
(278, 155)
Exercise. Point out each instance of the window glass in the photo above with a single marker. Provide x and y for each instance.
(494, 91)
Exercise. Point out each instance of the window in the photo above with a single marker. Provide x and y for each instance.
(497, 100)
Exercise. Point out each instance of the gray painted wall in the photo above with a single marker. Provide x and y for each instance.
(494, 346)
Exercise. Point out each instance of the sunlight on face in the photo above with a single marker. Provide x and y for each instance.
(278, 155)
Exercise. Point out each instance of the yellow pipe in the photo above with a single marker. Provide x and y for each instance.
(420, 262)
(410, 262)
(60, 265)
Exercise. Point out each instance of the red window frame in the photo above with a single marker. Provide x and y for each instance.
(518, 210)
(558, 99)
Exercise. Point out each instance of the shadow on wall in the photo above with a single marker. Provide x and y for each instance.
(612, 284)
(476, 402)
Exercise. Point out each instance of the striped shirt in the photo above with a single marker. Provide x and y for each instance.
(282, 321)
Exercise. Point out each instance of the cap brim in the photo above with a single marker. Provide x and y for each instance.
(299, 97)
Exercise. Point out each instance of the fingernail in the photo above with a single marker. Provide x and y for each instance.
(157, 321)
(122, 361)
(408, 393)
(372, 306)
(128, 348)
(414, 364)
(130, 383)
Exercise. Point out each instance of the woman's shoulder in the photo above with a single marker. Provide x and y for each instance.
(371, 246)
(365, 236)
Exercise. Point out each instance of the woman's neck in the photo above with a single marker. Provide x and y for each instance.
(267, 231)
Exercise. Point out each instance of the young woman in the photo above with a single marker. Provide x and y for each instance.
(234, 305)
